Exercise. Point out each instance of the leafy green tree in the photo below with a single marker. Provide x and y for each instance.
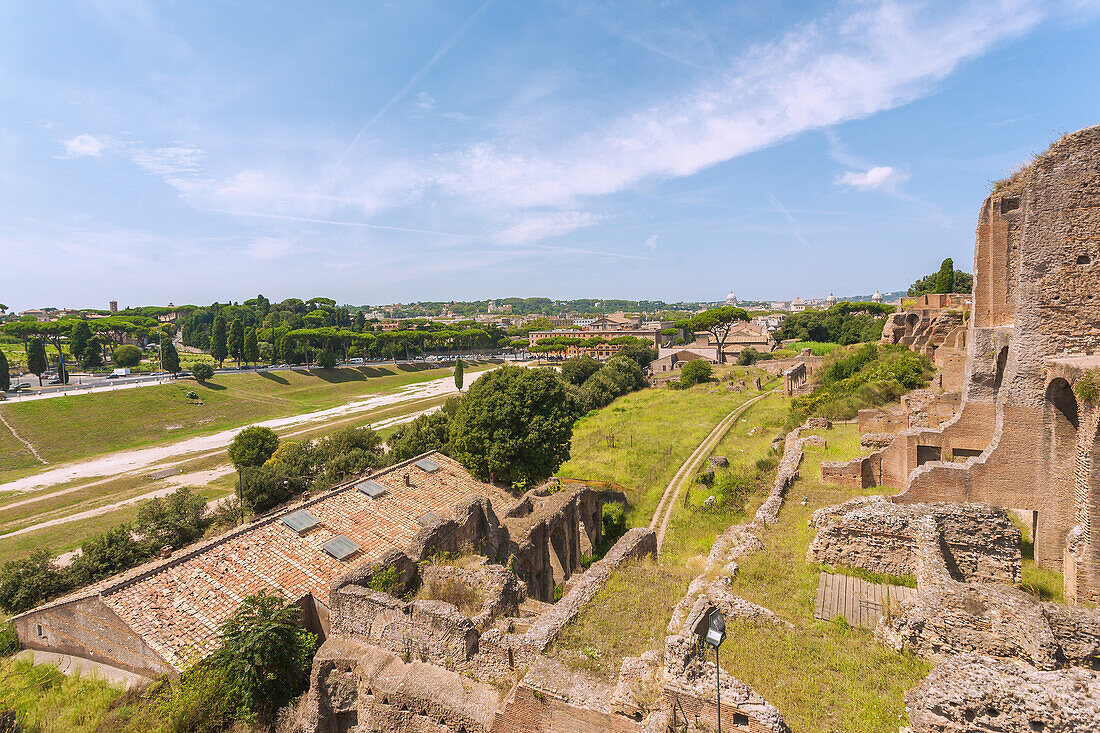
(202, 371)
(346, 452)
(748, 356)
(251, 347)
(93, 354)
(578, 369)
(267, 486)
(945, 278)
(695, 371)
(253, 446)
(617, 377)
(514, 425)
(127, 356)
(169, 357)
(458, 373)
(5, 373)
(105, 554)
(36, 359)
(173, 521)
(219, 347)
(294, 458)
(640, 350)
(79, 339)
(326, 360)
(236, 340)
(425, 433)
(717, 322)
(29, 581)
(963, 283)
(266, 653)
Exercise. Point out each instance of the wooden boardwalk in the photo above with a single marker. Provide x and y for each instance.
(857, 600)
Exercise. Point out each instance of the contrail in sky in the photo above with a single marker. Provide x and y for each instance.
(447, 45)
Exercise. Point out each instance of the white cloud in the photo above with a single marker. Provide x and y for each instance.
(652, 243)
(84, 145)
(424, 100)
(535, 228)
(456, 116)
(839, 68)
(880, 176)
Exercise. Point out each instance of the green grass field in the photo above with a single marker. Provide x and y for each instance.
(641, 439)
(69, 428)
(823, 676)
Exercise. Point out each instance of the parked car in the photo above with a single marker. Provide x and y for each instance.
(183, 375)
(20, 387)
(55, 380)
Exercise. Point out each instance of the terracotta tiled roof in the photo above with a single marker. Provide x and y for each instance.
(176, 605)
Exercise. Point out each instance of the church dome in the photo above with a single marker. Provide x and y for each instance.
(831, 300)
(877, 297)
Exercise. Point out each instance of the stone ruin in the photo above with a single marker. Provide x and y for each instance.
(1026, 436)
(401, 654)
(934, 325)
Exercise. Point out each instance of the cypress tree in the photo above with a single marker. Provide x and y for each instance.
(169, 357)
(236, 340)
(945, 278)
(79, 337)
(458, 373)
(36, 359)
(5, 374)
(251, 346)
(218, 347)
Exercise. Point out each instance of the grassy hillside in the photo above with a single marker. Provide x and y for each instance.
(641, 440)
(68, 428)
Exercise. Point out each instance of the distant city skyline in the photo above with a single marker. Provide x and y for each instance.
(437, 151)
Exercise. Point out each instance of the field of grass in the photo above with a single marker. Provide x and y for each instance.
(640, 440)
(47, 701)
(823, 676)
(69, 428)
(693, 527)
(817, 348)
(52, 504)
(614, 625)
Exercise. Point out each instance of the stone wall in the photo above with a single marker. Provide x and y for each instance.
(979, 694)
(979, 543)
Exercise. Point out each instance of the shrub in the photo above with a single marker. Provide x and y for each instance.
(1088, 386)
(578, 369)
(202, 371)
(127, 356)
(614, 521)
(174, 521)
(748, 357)
(451, 590)
(253, 446)
(265, 653)
(103, 555)
(346, 452)
(264, 487)
(326, 360)
(425, 433)
(694, 372)
(9, 640)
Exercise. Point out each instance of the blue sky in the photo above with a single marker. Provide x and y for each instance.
(414, 150)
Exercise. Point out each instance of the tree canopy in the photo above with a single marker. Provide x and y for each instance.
(716, 321)
(514, 425)
(253, 446)
(936, 282)
(127, 356)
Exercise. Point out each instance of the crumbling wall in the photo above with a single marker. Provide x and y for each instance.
(979, 694)
(979, 543)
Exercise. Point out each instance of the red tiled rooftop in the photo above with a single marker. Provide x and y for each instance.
(176, 605)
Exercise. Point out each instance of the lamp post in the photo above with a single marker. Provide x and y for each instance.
(716, 634)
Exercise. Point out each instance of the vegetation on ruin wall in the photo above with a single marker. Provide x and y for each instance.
(641, 440)
(844, 323)
(866, 376)
(67, 428)
(823, 676)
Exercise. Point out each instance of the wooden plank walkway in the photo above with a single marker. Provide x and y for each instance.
(857, 600)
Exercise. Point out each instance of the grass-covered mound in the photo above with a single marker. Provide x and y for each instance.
(865, 376)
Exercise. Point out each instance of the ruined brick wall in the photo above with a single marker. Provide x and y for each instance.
(88, 628)
(1037, 276)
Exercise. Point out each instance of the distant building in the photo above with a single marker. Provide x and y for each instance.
(113, 306)
(731, 299)
(877, 297)
(673, 359)
(741, 336)
(830, 301)
(798, 305)
(779, 305)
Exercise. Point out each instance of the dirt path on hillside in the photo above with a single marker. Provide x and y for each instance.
(663, 513)
(26, 443)
(112, 465)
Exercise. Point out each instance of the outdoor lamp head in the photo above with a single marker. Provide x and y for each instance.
(716, 632)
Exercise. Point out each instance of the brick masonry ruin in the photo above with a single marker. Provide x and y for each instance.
(1023, 438)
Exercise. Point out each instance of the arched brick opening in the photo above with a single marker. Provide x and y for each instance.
(1062, 419)
(559, 555)
(1002, 359)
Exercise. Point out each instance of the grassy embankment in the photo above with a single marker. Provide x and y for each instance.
(54, 504)
(69, 428)
(823, 676)
(47, 701)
